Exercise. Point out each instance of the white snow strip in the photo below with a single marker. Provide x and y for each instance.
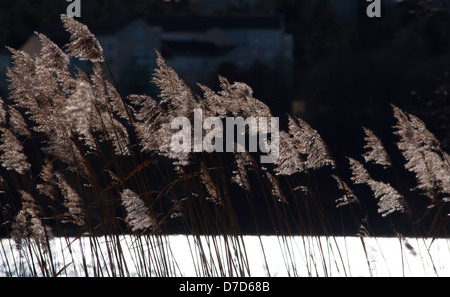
(181, 255)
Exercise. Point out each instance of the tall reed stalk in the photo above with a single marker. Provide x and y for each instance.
(83, 161)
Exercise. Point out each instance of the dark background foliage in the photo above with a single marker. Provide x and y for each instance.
(348, 68)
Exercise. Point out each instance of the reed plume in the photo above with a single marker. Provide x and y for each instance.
(376, 152)
(290, 160)
(152, 123)
(12, 155)
(309, 144)
(2, 112)
(72, 201)
(277, 192)
(52, 57)
(239, 100)
(214, 194)
(17, 123)
(27, 224)
(423, 155)
(174, 92)
(83, 44)
(21, 79)
(348, 197)
(99, 149)
(240, 175)
(78, 112)
(389, 200)
(138, 216)
(48, 187)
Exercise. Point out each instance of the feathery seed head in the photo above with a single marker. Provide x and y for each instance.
(51, 56)
(389, 200)
(12, 156)
(309, 143)
(83, 44)
(137, 214)
(376, 152)
(207, 180)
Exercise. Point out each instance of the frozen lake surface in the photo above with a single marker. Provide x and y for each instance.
(181, 255)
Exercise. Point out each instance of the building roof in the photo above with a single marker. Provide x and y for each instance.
(218, 37)
(203, 23)
(57, 33)
(195, 48)
(212, 25)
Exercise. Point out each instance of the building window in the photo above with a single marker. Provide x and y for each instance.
(139, 33)
(270, 54)
(139, 48)
(140, 62)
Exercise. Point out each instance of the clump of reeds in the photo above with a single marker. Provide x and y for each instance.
(100, 163)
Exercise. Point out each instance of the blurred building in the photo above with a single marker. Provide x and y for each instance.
(194, 46)
(5, 57)
(208, 7)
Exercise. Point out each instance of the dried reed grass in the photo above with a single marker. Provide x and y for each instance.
(99, 163)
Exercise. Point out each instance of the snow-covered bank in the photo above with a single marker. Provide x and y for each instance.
(218, 256)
